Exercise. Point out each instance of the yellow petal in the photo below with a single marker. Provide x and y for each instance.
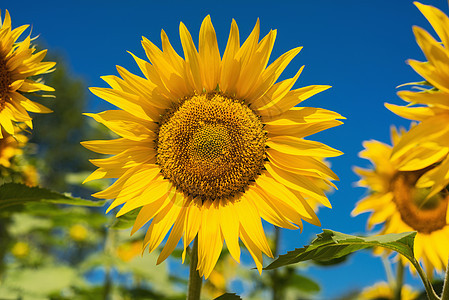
(275, 93)
(210, 240)
(435, 53)
(250, 220)
(229, 224)
(292, 98)
(299, 183)
(251, 72)
(296, 146)
(411, 113)
(437, 178)
(112, 146)
(297, 115)
(160, 226)
(192, 223)
(119, 186)
(432, 130)
(28, 104)
(305, 163)
(283, 205)
(156, 189)
(428, 97)
(230, 69)
(174, 237)
(268, 209)
(431, 74)
(272, 73)
(148, 211)
(300, 130)
(209, 55)
(437, 19)
(126, 125)
(191, 56)
(126, 101)
(252, 248)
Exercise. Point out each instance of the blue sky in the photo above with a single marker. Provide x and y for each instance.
(359, 47)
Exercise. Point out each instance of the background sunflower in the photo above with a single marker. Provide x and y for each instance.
(427, 144)
(18, 65)
(395, 202)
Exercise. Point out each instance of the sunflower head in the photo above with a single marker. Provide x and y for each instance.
(19, 65)
(425, 146)
(395, 201)
(20, 250)
(78, 233)
(211, 144)
(10, 146)
(383, 290)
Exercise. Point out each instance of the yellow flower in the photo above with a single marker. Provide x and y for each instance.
(382, 290)
(210, 145)
(395, 200)
(223, 273)
(128, 251)
(428, 143)
(78, 233)
(11, 146)
(20, 249)
(18, 63)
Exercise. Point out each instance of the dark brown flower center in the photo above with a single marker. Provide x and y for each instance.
(5, 81)
(421, 214)
(211, 146)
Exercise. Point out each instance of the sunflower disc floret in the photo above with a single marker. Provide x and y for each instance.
(211, 146)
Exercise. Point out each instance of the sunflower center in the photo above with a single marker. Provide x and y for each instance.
(211, 146)
(423, 215)
(5, 81)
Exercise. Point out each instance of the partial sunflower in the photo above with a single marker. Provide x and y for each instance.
(428, 143)
(18, 64)
(210, 145)
(395, 201)
(11, 145)
(383, 290)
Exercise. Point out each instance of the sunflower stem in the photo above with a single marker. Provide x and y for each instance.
(389, 272)
(399, 280)
(431, 295)
(445, 294)
(195, 281)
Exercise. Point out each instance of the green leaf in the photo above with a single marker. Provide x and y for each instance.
(126, 221)
(302, 283)
(42, 281)
(17, 194)
(229, 296)
(331, 244)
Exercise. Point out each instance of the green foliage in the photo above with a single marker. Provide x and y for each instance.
(126, 221)
(331, 244)
(229, 296)
(57, 135)
(42, 281)
(302, 284)
(18, 194)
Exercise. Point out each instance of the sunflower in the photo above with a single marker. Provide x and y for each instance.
(383, 290)
(211, 144)
(428, 143)
(11, 145)
(18, 63)
(395, 201)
